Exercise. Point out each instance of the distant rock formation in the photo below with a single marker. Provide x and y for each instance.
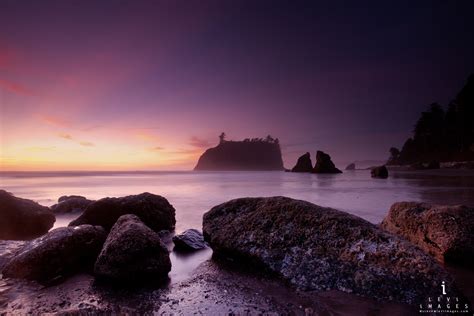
(351, 166)
(23, 219)
(324, 164)
(441, 135)
(303, 164)
(379, 172)
(249, 154)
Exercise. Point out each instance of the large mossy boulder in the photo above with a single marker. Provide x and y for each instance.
(22, 219)
(61, 252)
(303, 164)
(318, 248)
(154, 210)
(445, 232)
(132, 253)
(324, 164)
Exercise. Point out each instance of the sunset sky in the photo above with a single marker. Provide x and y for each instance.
(138, 85)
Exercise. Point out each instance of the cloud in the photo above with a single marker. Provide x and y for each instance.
(199, 142)
(16, 88)
(54, 121)
(157, 148)
(87, 144)
(65, 136)
(80, 142)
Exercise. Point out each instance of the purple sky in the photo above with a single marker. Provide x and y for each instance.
(150, 84)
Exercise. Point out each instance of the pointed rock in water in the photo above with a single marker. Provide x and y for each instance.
(318, 248)
(445, 232)
(351, 166)
(71, 204)
(189, 240)
(324, 164)
(303, 164)
(22, 219)
(132, 253)
(379, 172)
(153, 210)
(61, 252)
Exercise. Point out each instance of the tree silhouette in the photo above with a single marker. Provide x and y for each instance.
(222, 138)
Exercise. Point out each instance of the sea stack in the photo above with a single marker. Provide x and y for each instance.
(303, 164)
(255, 154)
(324, 164)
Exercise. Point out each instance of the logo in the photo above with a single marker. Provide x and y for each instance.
(444, 303)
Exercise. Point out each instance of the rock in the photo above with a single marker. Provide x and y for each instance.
(189, 240)
(445, 232)
(154, 210)
(351, 166)
(317, 248)
(379, 172)
(324, 164)
(57, 254)
(71, 204)
(303, 164)
(132, 253)
(255, 154)
(22, 219)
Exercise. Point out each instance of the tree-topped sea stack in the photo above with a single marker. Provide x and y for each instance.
(249, 154)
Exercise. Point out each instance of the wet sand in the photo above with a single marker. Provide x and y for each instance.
(214, 289)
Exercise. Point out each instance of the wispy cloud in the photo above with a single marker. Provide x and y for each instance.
(87, 144)
(16, 88)
(157, 148)
(54, 121)
(80, 142)
(65, 136)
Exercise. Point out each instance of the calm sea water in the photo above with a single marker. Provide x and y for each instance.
(194, 193)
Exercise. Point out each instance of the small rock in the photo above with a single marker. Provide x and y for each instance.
(351, 166)
(379, 172)
(189, 240)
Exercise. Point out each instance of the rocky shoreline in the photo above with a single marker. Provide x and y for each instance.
(299, 253)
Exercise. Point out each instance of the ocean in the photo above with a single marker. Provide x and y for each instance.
(193, 193)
